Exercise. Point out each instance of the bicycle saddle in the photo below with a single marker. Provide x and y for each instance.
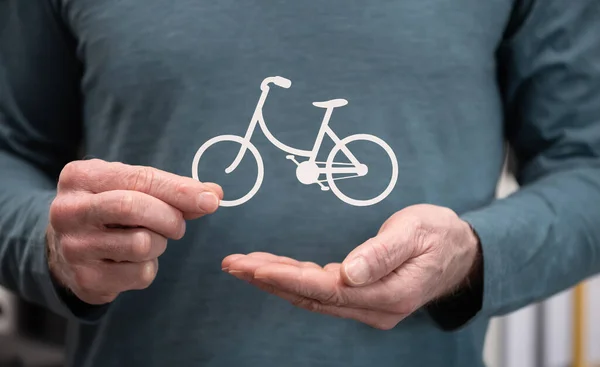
(331, 103)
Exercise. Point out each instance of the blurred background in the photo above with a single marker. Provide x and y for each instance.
(562, 331)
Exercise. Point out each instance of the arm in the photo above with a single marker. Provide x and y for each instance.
(546, 237)
(40, 131)
(73, 236)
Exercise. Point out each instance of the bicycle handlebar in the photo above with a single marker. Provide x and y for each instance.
(282, 82)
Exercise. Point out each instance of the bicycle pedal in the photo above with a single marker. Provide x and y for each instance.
(324, 188)
(289, 156)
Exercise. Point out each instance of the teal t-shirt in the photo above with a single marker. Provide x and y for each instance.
(319, 119)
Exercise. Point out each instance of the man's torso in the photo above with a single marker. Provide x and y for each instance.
(163, 78)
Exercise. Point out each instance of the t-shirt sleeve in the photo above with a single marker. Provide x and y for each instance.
(40, 131)
(545, 237)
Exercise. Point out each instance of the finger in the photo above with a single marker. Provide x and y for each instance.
(133, 245)
(333, 267)
(245, 266)
(229, 259)
(320, 285)
(400, 292)
(135, 209)
(212, 187)
(305, 281)
(376, 258)
(283, 260)
(107, 278)
(377, 319)
(328, 288)
(310, 264)
(184, 193)
(266, 258)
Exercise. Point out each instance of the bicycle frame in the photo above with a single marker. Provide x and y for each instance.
(258, 118)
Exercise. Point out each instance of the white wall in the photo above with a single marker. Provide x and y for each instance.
(594, 316)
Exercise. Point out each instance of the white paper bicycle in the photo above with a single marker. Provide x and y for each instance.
(309, 171)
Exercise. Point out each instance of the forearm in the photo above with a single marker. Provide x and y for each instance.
(25, 196)
(541, 240)
(545, 237)
(40, 132)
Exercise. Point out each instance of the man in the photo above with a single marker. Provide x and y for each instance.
(365, 224)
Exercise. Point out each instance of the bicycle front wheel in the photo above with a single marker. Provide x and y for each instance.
(331, 180)
(259, 165)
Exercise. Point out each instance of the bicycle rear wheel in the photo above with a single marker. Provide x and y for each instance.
(331, 180)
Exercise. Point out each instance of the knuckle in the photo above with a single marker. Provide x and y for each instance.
(182, 189)
(383, 252)
(76, 173)
(416, 223)
(419, 231)
(159, 246)
(178, 226)
(62, 211)
(446, 212)
(335, 298)
(70, 174)
(94, 161)
(142, 245)
(85, 279)
(148, 274)
(142, 179)
(126, 204)
(70, 249)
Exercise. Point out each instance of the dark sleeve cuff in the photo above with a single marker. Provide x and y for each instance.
(457, 310)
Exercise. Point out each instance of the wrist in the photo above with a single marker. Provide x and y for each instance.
(59, 276)
(475, 273)
(458, 307)
(53, 258)
(474, 268)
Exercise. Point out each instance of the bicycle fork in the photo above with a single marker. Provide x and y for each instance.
(250, 131)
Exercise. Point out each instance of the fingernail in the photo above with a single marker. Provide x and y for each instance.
(358, 271)
(225, 270)
(208, 202)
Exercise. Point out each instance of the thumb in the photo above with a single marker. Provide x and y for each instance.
(216, 189)
(375, 258)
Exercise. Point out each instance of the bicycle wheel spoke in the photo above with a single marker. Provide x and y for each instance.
(340, 178)
(336, 163)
